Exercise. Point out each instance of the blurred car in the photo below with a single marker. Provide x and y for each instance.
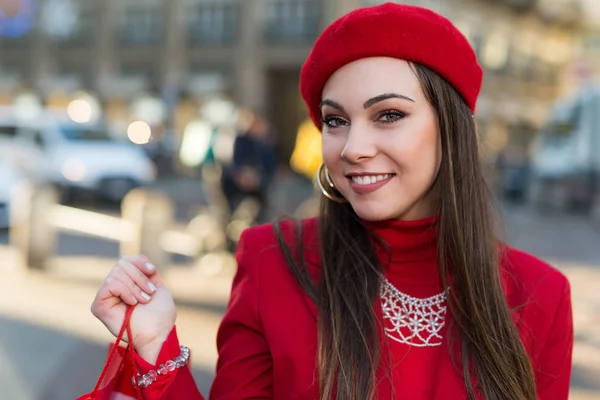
(9, 178)
(76, 157)
(566, 153)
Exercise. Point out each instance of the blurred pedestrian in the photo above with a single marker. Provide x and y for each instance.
(400, 288)
(252, 167)
(512, 171)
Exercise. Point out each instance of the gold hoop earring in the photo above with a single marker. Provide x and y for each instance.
(322, 172)
(328, 179)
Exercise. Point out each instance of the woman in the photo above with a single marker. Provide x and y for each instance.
(400, 288)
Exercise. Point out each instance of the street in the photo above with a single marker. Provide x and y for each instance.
(52, 348)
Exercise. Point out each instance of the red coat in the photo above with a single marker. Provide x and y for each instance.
(267, 341)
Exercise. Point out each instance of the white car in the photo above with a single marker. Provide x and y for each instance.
(75, 157)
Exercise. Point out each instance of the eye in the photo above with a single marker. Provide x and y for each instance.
(335, 122)
(390, 116)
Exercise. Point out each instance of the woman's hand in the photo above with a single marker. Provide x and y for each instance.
(135, 280)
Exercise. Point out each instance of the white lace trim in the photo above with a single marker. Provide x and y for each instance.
(411, 320)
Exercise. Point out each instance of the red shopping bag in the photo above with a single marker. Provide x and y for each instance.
(115, 380)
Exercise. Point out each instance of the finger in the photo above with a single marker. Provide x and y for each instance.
(111, 292)
(142, 262)
(138, 277)
(145, 265)
(139, 294)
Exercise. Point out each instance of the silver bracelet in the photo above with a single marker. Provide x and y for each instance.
(143, 381)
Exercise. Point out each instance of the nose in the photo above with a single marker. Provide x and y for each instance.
(359, 145)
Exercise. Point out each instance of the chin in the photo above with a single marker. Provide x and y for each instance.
(374, 212)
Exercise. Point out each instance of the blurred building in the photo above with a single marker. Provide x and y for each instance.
(591, 45)
(184, 51)
(526, 48)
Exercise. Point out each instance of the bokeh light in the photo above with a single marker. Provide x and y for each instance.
(73, 170)
(195, 144)
(27, 105)
(80, 111)
(139, 132)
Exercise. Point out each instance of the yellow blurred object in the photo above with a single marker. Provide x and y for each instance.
(307, 156)
(58, 99)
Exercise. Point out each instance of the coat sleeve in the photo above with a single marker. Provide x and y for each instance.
(244, 369)
(553, 370)
(178, 384)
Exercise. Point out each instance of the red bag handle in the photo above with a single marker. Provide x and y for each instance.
(131, 353)
(130, 350)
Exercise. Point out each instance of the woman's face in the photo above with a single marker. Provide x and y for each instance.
(381, 143)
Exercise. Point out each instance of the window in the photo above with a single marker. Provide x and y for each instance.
(8, 132)
(521, 4)
(15, 71)
(75, 133)
(145, 72)
(87, 26)
(142, 24)
(26, 134)
(292, 21)
(74, 71)
(546, 72)
(563, 12)
(522, 66)
(212, 23)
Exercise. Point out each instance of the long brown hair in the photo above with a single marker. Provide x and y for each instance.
(348, 347)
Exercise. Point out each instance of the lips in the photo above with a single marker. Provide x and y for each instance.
(369, 179)
(368, 183)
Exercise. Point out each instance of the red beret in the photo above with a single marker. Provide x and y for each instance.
(391, 30)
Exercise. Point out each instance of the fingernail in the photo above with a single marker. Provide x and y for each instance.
(152, 287)
(135, 301)
(150, 267)
(146, 296)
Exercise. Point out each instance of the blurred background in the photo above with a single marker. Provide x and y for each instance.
(168, 127)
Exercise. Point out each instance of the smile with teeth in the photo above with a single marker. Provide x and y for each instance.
(369, 180)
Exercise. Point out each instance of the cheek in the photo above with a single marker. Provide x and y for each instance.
(420, 157)
(332, 147)
(427, 162)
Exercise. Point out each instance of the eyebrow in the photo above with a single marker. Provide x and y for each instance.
(331, 103)
(369, 103)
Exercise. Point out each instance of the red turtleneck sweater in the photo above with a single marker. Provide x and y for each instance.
(267, 340)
